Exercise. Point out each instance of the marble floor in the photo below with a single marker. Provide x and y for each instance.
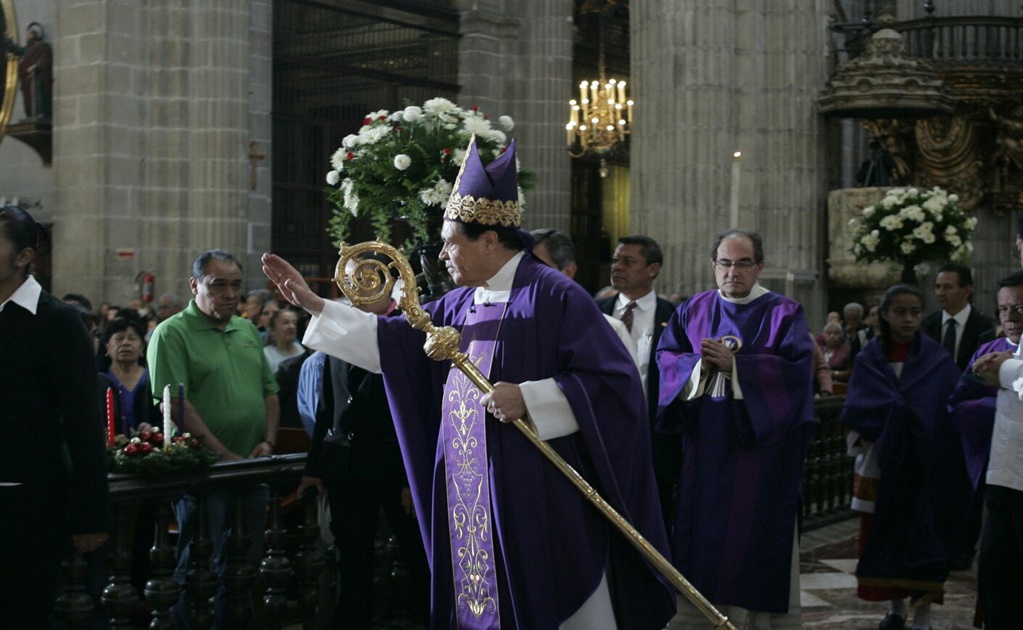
(827, 565)
(828, 593)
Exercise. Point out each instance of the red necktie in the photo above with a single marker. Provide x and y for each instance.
(627, 315)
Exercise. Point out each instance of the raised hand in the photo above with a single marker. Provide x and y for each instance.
(291, 284)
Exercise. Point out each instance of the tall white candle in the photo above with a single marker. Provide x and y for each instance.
(168, 424)
(734, 214)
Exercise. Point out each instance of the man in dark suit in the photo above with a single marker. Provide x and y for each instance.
(636, 262)
(53, 482)
(957, 326)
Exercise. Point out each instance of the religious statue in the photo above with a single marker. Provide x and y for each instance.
(1009, 155)
(35, 73)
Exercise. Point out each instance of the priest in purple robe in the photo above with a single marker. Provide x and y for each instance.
(736, 384)
(973, 401)
(511, 542)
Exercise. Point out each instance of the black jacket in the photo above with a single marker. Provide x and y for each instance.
(354, 436)
(51, 427)
(976, 324)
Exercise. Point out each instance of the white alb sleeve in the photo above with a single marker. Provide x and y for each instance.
(347, 333)
(548, 408)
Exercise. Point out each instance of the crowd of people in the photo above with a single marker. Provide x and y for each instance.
(692, 420)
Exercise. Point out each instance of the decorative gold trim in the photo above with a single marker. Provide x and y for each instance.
(469, 209)
(470, 517)
(11, 71)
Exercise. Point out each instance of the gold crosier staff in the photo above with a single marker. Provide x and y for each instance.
(371, 279)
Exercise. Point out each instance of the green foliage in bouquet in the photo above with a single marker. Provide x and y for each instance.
(403, 165)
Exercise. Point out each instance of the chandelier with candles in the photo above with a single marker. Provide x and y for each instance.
(602, 117)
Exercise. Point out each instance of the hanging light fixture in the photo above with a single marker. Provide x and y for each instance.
(601, 119)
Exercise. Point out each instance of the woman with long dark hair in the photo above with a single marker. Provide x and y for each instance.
(53, 483)
(911, 482)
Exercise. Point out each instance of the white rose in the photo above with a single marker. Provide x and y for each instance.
(506, 122)
(412, 113)
(350, 141)
(869, 211)
(912, 192)
(953, 198)
(402, 161)
(333, 178)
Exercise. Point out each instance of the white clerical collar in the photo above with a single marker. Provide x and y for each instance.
(960, 317)
(26, 296)
(497, 290)
(644, 303)
(757, 291)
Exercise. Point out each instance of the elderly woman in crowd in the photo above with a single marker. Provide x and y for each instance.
(124, 345)
(281, 343)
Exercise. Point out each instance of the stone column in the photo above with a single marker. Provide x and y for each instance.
(515, 58)
(151, 140)
(711, 78)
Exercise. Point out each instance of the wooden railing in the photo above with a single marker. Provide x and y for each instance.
(291, 558)
(827, 473)
(293, 564)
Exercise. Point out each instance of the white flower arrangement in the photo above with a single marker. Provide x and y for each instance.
(404, 163)
(910, 225)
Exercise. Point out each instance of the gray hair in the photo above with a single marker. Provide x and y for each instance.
(200, 264)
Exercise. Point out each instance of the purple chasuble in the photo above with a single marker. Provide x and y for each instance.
(742, 460)
(972, 406)
(551, 547)
(463, 433)
(924, 491)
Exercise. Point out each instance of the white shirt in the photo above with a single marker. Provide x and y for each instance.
(1006, 465)
(960, 318)
(642, 332)
(26, 296)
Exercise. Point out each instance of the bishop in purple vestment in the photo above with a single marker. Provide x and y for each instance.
(526, 550)
(744, 444)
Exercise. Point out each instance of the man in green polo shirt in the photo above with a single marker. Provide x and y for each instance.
(230, 401)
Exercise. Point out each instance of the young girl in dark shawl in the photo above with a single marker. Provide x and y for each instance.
(911, 482)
